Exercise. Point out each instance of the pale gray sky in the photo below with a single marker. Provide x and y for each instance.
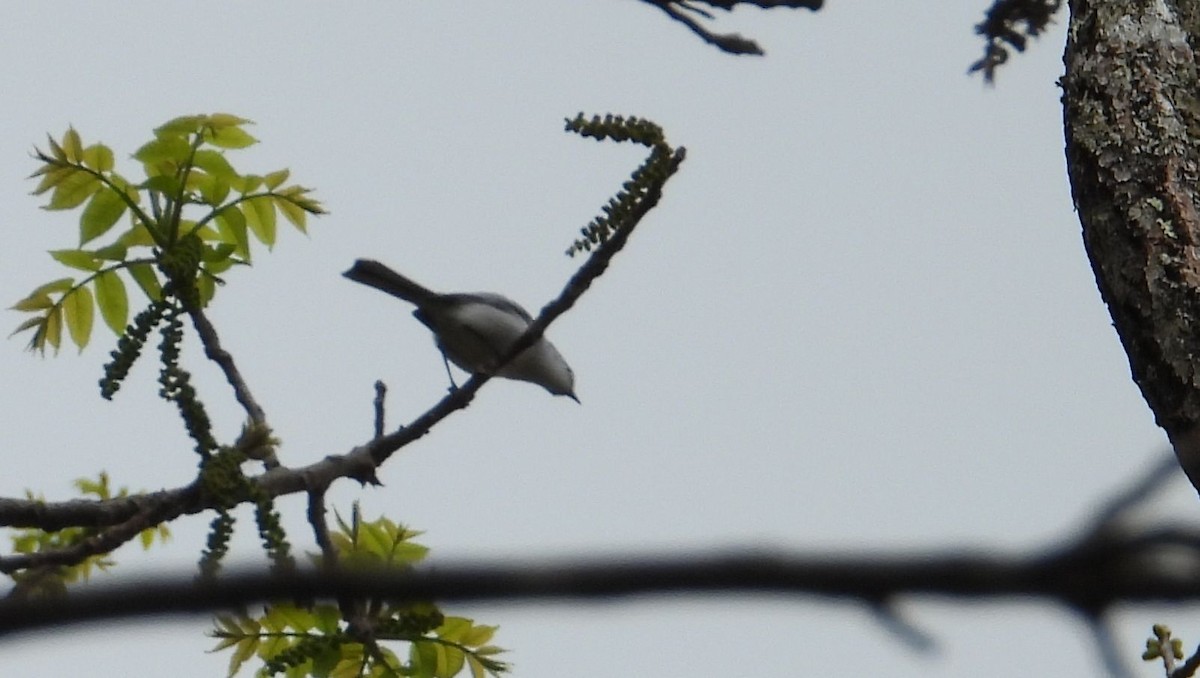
(861, 318)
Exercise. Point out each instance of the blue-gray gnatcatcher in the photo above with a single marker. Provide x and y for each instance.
(475, 330)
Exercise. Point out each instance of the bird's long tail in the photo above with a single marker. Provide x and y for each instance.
(372, 273)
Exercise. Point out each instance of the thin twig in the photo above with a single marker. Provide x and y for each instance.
(214, 352)
(380, 401)
(731, 43)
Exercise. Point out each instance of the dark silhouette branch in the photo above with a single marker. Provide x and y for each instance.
(730, 43)
(1094, 580)
(1107, 565)
(1010, 23)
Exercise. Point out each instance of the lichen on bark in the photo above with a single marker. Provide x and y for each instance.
(1132, 123)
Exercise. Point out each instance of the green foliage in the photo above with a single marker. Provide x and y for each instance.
(380, 543)
(52, 581)
(649, 177)
(187, 222)
(317, 641)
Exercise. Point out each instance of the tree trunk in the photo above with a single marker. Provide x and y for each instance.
(1132, 121)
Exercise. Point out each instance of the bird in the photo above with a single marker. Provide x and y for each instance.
(474, 330)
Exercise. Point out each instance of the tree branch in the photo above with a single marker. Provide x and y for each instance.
(216, 353)
(104, 541)
(359, 464)
(730, 43)
(1082, 581)
(1009, 23)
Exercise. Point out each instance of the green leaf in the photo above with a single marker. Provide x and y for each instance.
(171, 149)
(245, 650)
(408, 552)
(206, 233)
(212, 189)
(424, 658)
(181, 126)
(351, 663)
(215, 163)
(228, 624)
(56, 150)
(34, 302)
(72, 191)
(102, 212)
(260, 217)
(247, 183)
(60, 285)
(275, 179)
(164, 184)
(52, 176)
(229, 137)
(51, 332)
(40, 297)
(327, 618)
(218, 253)
(73, 145)
(219, 120)
(450, 662)
(292, 212)
(231, 223)
(453, 629)
(478, 635)
(84, 261)
(224, 642)
(326, 660)
(78, 310)
(137, 236)
(147, 279)
(99, 157)
(113, 252)
(112, 300)
(206, 286)
(32, 322)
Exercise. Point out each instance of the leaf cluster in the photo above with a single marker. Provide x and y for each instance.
(188, 221)
(318, 640)
(53, 581)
